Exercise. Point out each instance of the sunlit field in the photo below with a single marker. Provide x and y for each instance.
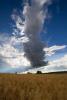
(33, 86)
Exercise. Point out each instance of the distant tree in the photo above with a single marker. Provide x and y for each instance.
(29, 73)
(15, 72)
(39, 72)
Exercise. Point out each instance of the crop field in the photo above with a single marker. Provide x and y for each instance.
(33, 86)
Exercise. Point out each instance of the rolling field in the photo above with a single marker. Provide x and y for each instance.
(33, 86)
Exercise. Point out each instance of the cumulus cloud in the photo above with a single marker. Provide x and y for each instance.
(53, 49)
(11, 53)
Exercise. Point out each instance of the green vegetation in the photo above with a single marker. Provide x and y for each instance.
(33, 86)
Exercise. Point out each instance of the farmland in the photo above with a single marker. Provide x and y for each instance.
(33, 86)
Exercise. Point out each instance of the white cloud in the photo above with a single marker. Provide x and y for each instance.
(52, 50)
(41, 2)
(60, 62)
(11, 50)
(14, 56)
(29, 24)
(19, 25)
(11, 55)
(54, 66)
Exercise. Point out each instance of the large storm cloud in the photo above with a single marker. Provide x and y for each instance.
(31, 25)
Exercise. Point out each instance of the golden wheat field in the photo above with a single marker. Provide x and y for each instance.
(33, 87)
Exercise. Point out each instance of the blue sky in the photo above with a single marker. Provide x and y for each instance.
(56, 25)
(55, 28)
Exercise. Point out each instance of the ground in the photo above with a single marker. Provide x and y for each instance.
(33, 86)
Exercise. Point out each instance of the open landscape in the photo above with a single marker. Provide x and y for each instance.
(51, 86)
(33, 50)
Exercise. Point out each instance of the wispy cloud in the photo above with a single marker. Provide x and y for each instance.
(53, 49)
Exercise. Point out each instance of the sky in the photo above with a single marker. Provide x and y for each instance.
(54, 33)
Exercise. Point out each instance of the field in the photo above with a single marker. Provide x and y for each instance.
(33, 86)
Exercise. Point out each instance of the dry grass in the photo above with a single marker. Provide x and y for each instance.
(33, 87)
